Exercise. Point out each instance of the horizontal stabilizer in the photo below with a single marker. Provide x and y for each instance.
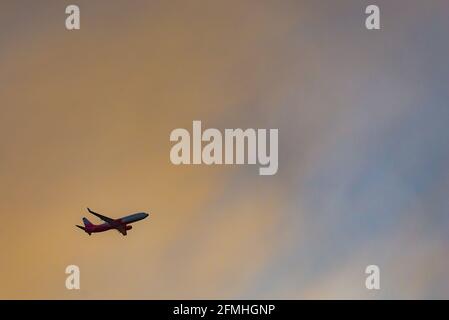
(82, 228)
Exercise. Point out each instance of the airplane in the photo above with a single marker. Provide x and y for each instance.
(121, 224)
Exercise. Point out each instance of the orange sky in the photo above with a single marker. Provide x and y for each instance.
(86, 115)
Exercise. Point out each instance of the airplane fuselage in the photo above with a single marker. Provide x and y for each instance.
(121, 223)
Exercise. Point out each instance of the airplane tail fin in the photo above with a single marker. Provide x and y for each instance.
(82, 228)
(87, 223)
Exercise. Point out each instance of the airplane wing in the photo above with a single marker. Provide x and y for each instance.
(104, 218)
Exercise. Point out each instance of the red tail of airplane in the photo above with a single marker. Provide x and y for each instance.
(87, 226)
(87, 223)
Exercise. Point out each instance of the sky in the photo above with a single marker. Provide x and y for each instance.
(86, 116)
